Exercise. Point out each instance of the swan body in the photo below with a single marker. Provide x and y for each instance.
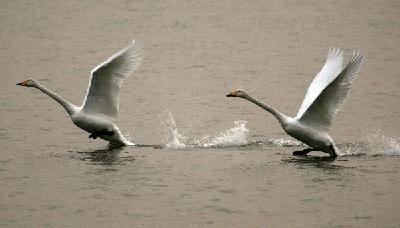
(100, 127)
(100, 107)
(322, 101)
(319, 140)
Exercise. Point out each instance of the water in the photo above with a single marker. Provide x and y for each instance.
(236, 136)
(208, 161)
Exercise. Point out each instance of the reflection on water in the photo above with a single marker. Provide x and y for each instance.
(108, 157)
(325, 163)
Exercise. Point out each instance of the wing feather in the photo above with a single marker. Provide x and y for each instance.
(321, 112)
(332, 67)
(106, 80)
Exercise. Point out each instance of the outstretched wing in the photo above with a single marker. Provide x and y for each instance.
(332, 67)
(321, 111)
(106, 80)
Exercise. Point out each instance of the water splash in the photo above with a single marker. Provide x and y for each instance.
(174, 138)
(381, 144)
(375, 143)
(236, 136)
(176, 141)
(351, 149)
(130, 139)
(286, 143)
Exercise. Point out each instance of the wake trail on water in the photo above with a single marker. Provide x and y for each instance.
(237, 136)
(375, 143)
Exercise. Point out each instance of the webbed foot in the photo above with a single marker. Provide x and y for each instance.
(302, 152)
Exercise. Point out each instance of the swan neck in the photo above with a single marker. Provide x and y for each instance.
(281, 117)
(67, 106)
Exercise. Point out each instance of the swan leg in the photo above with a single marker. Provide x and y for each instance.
(333, 151)
(303, 152)
(96, 134)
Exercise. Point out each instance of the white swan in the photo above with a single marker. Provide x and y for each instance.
(101, 104)
(323, 99)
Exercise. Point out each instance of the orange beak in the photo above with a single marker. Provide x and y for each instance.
(232, 94)
(24, 83)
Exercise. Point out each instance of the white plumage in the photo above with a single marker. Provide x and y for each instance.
(333, 86)
(323, 99)
(101, 104)
(106, 80)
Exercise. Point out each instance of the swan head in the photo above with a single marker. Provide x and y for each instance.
(237, 93)
(28, 83)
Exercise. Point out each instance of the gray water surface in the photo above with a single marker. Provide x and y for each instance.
(215, 172)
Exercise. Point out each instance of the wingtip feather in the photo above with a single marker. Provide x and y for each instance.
(334, 53)
(357, 55)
